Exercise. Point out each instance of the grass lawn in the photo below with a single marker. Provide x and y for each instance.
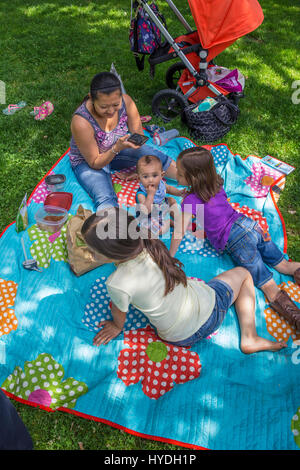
(50, 50)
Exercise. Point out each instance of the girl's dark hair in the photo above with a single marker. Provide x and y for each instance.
(124, 241)
(103, 82)
(200, 172)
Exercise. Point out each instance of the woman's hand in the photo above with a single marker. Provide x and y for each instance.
(108, 332)
(122, 144)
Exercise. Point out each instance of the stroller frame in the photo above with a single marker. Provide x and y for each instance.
(200, 77)
(216, 28)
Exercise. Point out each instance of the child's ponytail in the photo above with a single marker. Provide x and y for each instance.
(171, 267)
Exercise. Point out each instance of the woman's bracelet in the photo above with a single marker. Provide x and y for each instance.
(112, 149)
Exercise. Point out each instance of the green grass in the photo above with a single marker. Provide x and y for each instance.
(51, 50)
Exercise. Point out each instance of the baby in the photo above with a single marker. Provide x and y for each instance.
(151, 195)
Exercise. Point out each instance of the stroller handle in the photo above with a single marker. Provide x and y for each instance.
(179, 16)
(169, 39)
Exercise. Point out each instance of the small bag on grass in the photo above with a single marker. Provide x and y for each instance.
(81, 258)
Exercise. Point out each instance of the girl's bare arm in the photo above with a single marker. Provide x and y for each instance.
(181, 223)
(111, 329)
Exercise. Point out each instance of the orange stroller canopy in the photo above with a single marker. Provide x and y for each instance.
(221, 22)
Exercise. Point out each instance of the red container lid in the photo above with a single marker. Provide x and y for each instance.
(59, 199)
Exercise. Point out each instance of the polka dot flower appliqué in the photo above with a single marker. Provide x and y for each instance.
(8, 320)
(277, 326)
(261, 179)
(158, 365)
(41, 192)
(125, 190)
(98, 309)
(48, 245)
(42, 382)
(220, 155)
(191, 244)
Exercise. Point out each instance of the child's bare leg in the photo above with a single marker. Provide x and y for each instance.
(287, 267)
(270, 289)
(240, 280)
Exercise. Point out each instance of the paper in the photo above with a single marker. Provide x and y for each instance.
(278, 165)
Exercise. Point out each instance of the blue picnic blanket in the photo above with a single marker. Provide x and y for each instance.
(210, 396)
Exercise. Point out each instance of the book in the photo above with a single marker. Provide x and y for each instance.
(278, 165)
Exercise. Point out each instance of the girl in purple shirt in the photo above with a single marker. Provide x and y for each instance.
(228, 230)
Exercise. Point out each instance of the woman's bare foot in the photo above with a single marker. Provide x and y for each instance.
(125, 176)
(256, 343)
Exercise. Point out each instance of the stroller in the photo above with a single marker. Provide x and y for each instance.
(219, 24)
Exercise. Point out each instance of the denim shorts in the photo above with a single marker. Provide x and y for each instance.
(248, 247)
(224, 299)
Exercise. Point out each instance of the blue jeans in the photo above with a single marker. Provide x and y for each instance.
(224, 299)
(98, 184)
(248, 248)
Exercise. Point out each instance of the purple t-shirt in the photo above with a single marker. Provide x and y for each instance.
(215, 216)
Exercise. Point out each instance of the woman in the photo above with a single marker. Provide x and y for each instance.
(100, 128)
(182, 310)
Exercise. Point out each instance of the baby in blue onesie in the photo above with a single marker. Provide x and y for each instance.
(154, 204)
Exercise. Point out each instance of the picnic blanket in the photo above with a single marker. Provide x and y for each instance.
(210, 396)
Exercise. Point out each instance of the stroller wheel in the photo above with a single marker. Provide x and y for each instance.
(168, 104)
(173, 74)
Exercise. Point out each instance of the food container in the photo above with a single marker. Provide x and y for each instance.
(51, 218)
(59, 199)
(55, 182)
